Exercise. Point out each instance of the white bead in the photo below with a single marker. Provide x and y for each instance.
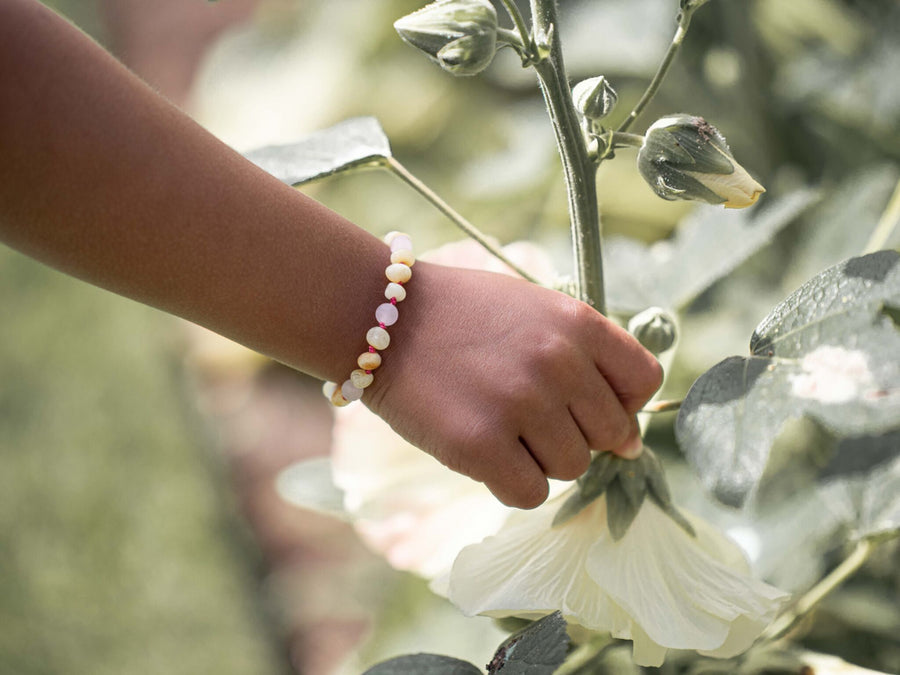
(400, 243)
(398, 273)
(387, 314)
(395, 292)
(361, 379)
(378, 337)
(405, 256)
(351, 392)
(329, 388)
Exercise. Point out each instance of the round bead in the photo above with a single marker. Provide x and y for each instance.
(405, 256)
(395, 292)
(387, 314)
(390, 236)
(369, 360)
(337, 399)
(400, 243)
(378, 337)
(398, 273)
(361, 379)
(329, 388)
(350, 391)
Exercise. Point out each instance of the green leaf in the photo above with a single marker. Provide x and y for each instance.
(537, 650)
(708, 244)
(829, 351)
(423, 664)
(355, 143)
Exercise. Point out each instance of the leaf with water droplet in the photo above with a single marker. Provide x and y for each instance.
(829, 351)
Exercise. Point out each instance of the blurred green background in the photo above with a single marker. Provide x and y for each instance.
(140, 532)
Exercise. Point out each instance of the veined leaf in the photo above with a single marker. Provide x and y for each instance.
(352, 144)
(708, 244)
(829, 351)
(538, 649)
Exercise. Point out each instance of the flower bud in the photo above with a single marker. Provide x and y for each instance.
(594, 98)
(685, 157)
(459, 35)
(655, 329)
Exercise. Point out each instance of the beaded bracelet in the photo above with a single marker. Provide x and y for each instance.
(386, 314)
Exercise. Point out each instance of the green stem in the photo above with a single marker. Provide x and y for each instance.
(886, 224)
(662, 406)
(578, 167)
(517, 19)
(817, 593)
(684, 20)
(401, 172)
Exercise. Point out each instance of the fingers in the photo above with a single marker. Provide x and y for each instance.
(515, 477)
(631, 371)
(599, 414)
(559, 448)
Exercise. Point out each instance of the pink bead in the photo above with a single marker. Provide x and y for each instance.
(387, 314)
(350, 392)
(401, 243)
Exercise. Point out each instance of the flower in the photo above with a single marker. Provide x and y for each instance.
(685, 157)
(657, 585)
(459, 35)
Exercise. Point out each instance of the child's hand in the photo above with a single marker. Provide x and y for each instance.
(510, 383)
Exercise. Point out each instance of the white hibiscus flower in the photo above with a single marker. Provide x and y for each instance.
(657, 585)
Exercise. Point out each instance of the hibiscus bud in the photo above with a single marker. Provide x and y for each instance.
(459, 35)
(685, 157)
(594, 98)
(655, 329)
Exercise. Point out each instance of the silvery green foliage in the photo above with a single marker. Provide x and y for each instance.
(352, 144)
(707, 245)
(459, 35)
(538, 649)
(829, 352)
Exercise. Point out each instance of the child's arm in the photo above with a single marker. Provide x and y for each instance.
(103, 179)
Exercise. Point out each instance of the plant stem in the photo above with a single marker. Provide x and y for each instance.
(817, 593)
(517, 19)
(401, 172)
(662, 406)
(684, 20)
(886, 224)
(578, 168)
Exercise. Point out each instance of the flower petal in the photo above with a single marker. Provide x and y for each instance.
(682, 594)
(532, 568)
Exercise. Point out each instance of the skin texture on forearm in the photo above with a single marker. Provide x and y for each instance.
(103, 179)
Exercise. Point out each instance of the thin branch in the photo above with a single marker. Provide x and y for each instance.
(817, 593)
(403, 174)
(684, 20)
(662, 406)
(519, 21)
